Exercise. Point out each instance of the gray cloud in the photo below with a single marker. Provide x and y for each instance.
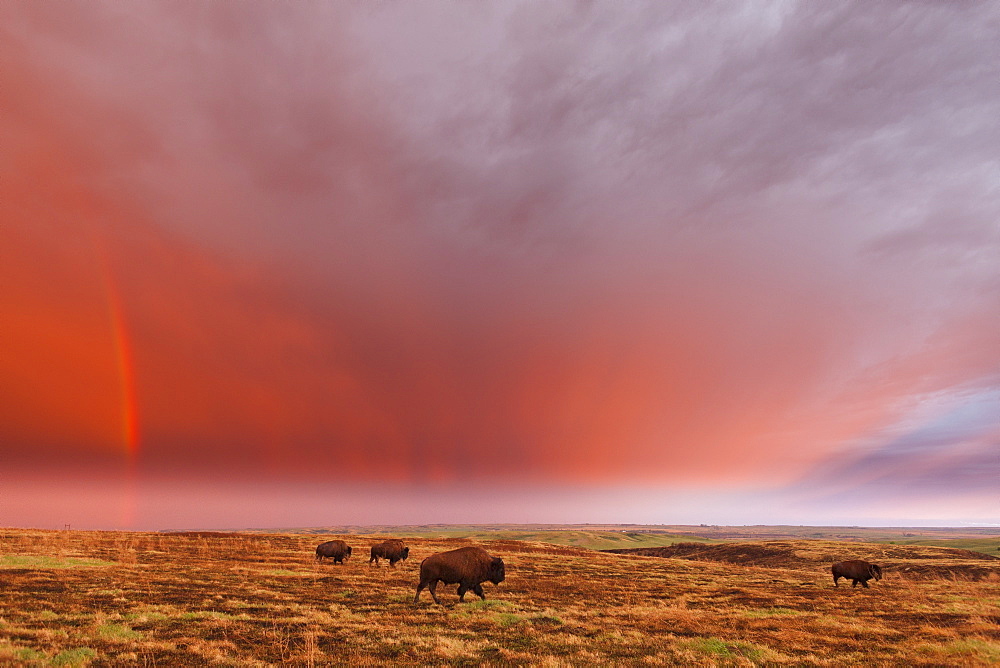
(671, 112)
(949, 445)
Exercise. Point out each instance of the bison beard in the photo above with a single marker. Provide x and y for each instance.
(467, 566)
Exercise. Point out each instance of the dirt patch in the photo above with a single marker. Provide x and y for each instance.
(953, 571)
(776, 553)
(944, 620)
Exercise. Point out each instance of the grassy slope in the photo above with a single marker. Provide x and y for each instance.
(989, 546)
(593, 540)
(260, 599)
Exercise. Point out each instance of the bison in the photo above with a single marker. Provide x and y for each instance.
(856, 570)
(467, 566)
(337, 550)
(393, 550)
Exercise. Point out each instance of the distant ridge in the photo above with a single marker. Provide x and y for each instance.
(920, 560)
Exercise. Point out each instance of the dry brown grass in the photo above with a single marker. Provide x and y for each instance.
(109, 598)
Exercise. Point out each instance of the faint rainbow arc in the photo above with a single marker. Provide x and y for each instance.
(122, 349)
(126, 374)
(126, 366)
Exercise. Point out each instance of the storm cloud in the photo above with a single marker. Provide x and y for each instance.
(707, 246)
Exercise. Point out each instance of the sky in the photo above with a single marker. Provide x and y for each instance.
(324, 263)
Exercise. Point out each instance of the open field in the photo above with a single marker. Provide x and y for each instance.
(612, 536)
(117, 598)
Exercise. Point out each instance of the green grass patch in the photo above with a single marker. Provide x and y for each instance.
(509, 619)
(41, 561)
(79, 656)
(22, 655)
(975, 648)
(712, 646)
(28, 654)
(990, 546)
(720, 649)
(121, 632)
(487, 604)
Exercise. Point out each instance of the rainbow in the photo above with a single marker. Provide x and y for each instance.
(126, 373)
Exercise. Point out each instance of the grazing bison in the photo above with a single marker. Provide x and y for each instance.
(337, 550)
(393, 550)
(468, 566)
(856, 570)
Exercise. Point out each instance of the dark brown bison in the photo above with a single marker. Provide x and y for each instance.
(467, 566)
(856, 570)
(392, 549)
(337, 550)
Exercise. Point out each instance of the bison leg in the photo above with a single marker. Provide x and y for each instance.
(478, 589)
(854, 583)
(835, 578)
(392, 562)
(433, 589)
(461, 591)
(865, 583)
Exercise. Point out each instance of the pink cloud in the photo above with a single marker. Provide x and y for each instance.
(653, 245)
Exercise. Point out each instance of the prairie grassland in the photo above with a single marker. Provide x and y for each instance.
(116, 598)
(606, 537)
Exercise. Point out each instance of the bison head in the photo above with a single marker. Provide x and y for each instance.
(876, 571)
(496, 573)
(406, 553)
